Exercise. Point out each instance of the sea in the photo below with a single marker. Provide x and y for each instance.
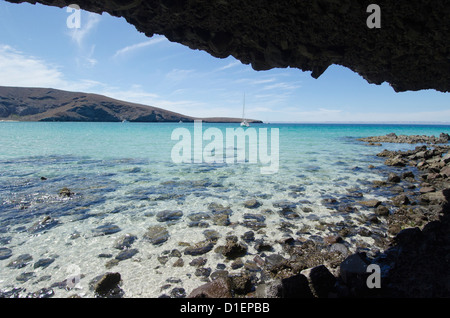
(121, 179)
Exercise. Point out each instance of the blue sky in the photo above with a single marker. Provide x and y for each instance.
(108, 56)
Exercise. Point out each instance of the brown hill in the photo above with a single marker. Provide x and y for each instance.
(47, 104)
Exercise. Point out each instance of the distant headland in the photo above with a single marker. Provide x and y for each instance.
(48, 104)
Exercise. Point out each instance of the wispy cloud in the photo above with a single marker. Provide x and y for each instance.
(282, 86)
(135, 47)
(178, 74)
(19, 69)
(229, 65)
(22, 70)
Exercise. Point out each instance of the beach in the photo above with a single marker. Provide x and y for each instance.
(85, 203)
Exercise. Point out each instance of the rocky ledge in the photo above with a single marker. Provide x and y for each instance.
(407, 139)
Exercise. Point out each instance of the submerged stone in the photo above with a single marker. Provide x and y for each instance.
(157, 234)
(21, 261)
(252, 204)
(5, 253)
(169, 216)
(199, 248)
(45, 224)
(125, 241)
(106, 229)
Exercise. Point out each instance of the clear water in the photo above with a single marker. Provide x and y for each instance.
(123, 174)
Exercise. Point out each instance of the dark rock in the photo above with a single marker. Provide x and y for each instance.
(382, 210)
(241, 284)
(199, 248)
(353, 270)
(43, 262)
(252, 204)
(21, 261)
(370, 203)
(234, 249)
(394, 178)
(106, 229)
(427, 189)
(254, 221)
(275, 262)
(169, 216)
(218, 288)
(178, 292)
(400, 200)
(46, 223)
(408, 236)
(284, 204)
(248, 236)
(408, 174)
(199, 216)
(5, 253)
(24, 277)
(65, 193)
(322, 281)
(157, 234)
(296, 286)
(126, 254)
(211, 235)
(175, 253)
(125, 241)
(178, 263)
(263, 246)
(221, 217)
(237, 264)
(107, 285)
(200, 261)
(251, 266)
(396, 162)
(202, 272)
(332, 239)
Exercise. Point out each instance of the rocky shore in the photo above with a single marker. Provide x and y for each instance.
(416, 255)
(405, 233)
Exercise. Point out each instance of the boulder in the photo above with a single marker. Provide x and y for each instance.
(401, 199)
(393, 178)
(321, 280)
(107, 285)
(353, 270)
(296, 286)
(219, 288)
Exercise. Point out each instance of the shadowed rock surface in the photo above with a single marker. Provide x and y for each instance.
(410, 50)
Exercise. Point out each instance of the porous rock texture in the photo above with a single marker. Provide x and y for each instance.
(410, 50)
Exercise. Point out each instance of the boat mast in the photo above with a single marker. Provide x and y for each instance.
(243, 109)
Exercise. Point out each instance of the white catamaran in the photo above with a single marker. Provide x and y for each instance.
(244, 122)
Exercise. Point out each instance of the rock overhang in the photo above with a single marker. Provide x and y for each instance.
(409, 50)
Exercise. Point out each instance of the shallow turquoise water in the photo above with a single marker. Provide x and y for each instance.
(123, 174)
